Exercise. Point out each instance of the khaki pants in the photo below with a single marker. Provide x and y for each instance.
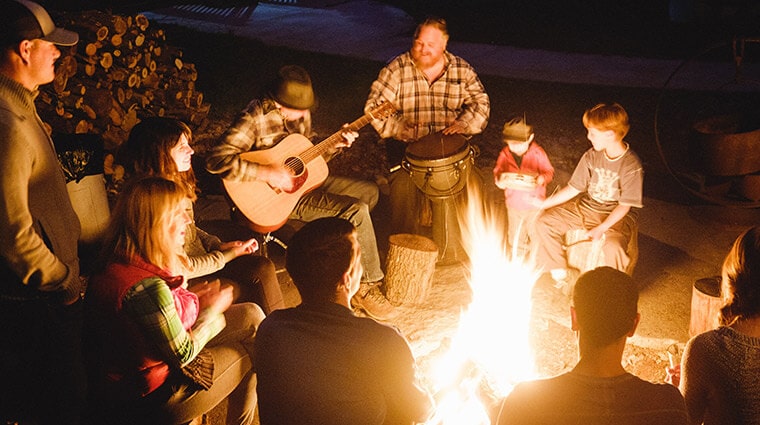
(552, 224)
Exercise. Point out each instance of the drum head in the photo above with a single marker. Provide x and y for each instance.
(436, 146)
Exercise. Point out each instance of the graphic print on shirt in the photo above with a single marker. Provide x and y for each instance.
(604, 185)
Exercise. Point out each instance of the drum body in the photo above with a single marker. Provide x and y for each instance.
(439, 164)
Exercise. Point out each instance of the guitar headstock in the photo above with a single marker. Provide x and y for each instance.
(382, 111)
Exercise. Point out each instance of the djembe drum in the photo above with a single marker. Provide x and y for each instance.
(440, 165)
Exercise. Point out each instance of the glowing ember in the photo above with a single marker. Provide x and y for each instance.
(490, 351)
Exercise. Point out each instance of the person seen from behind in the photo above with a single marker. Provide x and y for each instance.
(318, 363)
(598, 390)
(719, 369)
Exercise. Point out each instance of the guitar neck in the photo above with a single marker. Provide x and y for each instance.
(322, 147)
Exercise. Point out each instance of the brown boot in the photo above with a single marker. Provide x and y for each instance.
(371, 301)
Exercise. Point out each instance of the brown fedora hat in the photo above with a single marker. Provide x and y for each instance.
(293, 88)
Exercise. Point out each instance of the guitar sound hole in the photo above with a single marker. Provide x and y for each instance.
(295, 165)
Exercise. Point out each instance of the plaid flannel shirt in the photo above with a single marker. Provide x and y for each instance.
(151, 304)
(259, 126)
(458, 95)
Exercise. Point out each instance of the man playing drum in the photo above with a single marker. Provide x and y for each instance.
(433, 91)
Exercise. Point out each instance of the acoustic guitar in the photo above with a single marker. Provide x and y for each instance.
(267, 208)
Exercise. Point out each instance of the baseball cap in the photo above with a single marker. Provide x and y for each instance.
(27, 20)
(516, 130)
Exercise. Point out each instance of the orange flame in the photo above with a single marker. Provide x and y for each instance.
(490, 352)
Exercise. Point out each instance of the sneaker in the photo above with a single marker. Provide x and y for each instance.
(374, 304)
(559, 276)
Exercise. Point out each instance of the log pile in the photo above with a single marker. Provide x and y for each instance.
(121, 70)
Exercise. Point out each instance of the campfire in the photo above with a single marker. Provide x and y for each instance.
(489, 353)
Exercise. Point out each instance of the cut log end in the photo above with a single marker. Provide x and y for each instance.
(705, 305)
(127, 72)
(409, 269)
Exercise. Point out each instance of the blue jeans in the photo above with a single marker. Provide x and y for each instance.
(353, 200)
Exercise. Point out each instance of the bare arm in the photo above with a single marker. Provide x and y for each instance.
(616, 215)
(563, 195)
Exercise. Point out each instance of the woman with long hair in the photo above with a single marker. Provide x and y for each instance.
(161, 147)
(158, 353)
(720, 368)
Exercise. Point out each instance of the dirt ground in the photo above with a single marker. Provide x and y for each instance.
(678, 243)
(682, 237)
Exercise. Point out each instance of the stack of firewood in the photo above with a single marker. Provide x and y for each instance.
(121, 70)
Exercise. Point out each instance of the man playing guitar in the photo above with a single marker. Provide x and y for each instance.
(276, 173)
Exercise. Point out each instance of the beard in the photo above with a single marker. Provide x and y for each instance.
(425, 61)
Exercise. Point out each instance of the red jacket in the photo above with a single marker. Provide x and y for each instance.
(535, 162)
(129, 366)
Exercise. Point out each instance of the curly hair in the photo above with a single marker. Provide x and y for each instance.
(740, 283)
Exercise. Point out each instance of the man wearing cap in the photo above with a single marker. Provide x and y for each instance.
(40, 287)
(598, 390)
(284, 109)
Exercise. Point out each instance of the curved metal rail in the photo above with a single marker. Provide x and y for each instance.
(738, 49)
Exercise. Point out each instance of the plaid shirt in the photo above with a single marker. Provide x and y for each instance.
(151, 304)
(458, 95)
(259, 126)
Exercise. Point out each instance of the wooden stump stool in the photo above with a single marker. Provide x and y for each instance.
(705, 305)
(409, 268)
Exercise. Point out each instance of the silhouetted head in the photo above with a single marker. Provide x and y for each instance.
(605, 301)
